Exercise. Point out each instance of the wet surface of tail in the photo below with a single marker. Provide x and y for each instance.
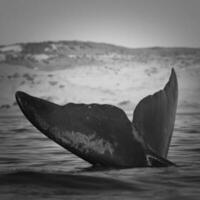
(102, 134)
(154, 117)
(99, 134)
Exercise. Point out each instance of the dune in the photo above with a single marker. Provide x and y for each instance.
(87, 72)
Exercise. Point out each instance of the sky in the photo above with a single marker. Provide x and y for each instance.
(131, 23)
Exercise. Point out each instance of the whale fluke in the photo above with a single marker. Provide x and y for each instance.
(102, 134)
(154, 117)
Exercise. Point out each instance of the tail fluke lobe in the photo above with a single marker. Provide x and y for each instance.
(154, 117)
(99, 134)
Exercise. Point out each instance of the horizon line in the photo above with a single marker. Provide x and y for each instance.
(104, 43)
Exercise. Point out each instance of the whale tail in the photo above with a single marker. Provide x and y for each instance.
(103, 134)
(154, 117)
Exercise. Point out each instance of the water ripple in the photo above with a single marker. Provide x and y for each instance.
(37, 167)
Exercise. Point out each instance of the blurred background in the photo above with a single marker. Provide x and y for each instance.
(107, 51)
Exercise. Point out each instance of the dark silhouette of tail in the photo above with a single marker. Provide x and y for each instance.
(154, 117)
(103, 134)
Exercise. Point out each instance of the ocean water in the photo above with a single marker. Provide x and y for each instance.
(34, 167)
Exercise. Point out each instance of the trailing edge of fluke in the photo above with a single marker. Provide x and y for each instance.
(102, 134)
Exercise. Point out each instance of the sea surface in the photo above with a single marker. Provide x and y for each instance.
(34, 167)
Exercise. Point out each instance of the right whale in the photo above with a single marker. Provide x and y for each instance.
(103, 135)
